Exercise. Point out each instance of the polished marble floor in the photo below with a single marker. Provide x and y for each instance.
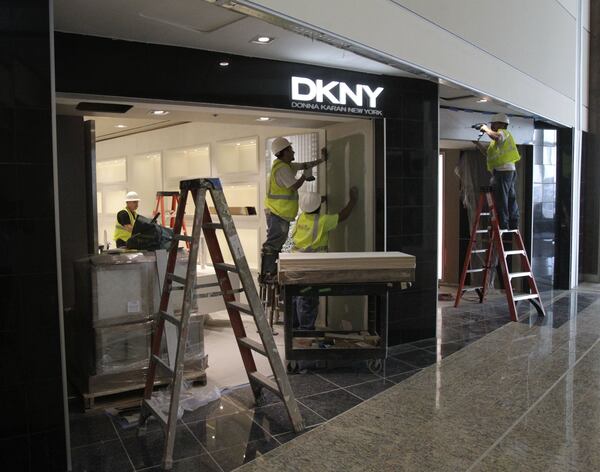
(456, 387)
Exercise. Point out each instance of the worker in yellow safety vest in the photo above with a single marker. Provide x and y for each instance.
(281, 203)
(501, 155)
(126, 219)
(311, 234)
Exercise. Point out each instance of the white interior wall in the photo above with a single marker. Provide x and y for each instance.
(218, 138)
(522, 53)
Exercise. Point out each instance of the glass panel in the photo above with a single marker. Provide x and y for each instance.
(236, 156)
(99, 201)
(111, 172)
(145, 179)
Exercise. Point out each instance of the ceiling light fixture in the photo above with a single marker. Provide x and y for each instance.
(120, 126)
(262, 40)
(264, 118)
(482, 100)
(224, 63)
(159, 112)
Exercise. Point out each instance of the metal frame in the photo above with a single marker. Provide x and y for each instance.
(377, 319)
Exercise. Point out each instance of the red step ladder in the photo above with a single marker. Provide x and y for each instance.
(487, 208)
(160, 204)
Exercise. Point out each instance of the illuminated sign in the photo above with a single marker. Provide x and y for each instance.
(335, 96)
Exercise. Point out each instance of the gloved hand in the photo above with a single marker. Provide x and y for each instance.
(308, 175)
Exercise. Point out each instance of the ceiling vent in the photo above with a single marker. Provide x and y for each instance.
(104, 107)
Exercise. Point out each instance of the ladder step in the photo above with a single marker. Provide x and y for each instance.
(224, 266)
(252, 344)
(478, 251)
(265, 382)
(182, 237)
(163, 365)
(473, 271)
(212, 226)
(514, 253)
(170, 318)
(159, 415)
(519, 274)
(176, 278)
(481, 231)
(484, 213)
(241, 307)
(525, 296)
(502, 231)
(471, 289)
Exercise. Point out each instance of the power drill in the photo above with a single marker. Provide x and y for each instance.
(478, 127)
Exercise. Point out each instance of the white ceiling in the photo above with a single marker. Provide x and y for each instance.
(138, 118)
(201, 25)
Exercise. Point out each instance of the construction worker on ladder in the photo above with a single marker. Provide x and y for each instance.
(126, 219)
(311, 234)
(502, 154)
(281, 203)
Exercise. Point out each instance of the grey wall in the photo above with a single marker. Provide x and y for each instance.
(74, 198)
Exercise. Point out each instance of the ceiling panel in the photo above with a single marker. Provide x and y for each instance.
(198, 24)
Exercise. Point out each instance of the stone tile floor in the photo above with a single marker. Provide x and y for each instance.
(233, 430)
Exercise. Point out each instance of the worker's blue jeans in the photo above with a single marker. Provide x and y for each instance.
(307, 309)
(505, 197)
(277, 233)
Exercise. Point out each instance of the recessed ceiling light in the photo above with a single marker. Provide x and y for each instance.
(262, 40)
(159, 112)
(264, 118)
(224, 63)
(482, 100)
(120, 126)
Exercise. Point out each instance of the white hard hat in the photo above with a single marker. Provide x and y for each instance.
(309, 201)
(132, 197)
(279, 144)
(500, 118)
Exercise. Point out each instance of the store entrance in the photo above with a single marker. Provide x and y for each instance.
(154, 146)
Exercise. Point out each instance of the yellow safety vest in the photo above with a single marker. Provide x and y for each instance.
(311, 233)
(120, 231)
(281, 201)
(504, 153)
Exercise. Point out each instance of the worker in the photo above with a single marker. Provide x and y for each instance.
(281, 203)
(311, 234)
(126, 219)
(501, 155)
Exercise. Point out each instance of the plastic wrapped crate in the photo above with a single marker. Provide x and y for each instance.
(122, 348)
(114, 289)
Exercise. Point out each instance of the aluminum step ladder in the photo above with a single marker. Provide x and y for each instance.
(486, 207)
(280, 384)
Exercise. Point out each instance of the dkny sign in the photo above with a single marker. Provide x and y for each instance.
(334, 96)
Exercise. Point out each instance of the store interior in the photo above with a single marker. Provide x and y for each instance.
(152, 147)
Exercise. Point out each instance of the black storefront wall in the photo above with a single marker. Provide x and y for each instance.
(407, 126)
(32, 430)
